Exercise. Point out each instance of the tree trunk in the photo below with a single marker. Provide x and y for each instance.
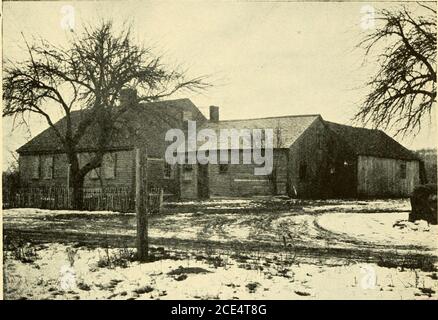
(273, 178)
(76, 180)
(77, 196)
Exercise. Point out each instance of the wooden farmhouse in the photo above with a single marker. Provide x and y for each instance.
(313, 158)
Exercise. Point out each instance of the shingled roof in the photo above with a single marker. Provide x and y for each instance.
(291, 127)
(370, 142)
(148, 124)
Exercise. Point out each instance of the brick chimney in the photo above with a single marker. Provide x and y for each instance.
(214, 114)
(128, 96)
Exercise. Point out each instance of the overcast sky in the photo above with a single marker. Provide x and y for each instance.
(264, 58)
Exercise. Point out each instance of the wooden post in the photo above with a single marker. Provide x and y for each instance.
(140, 210)
(68, 186)
(146, 203)
(161, 199)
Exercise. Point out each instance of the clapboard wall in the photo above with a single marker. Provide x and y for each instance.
(320, 165)
(124, 175)
(384, 177)
(240, 180)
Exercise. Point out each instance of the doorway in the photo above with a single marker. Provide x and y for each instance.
(203, 189)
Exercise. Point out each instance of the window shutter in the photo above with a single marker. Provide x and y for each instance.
(35, 167)
(109, 165)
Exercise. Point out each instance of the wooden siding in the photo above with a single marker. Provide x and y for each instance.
(124, 173)
(329, 165)
(381, 177)
(238, 181)
(188, 180)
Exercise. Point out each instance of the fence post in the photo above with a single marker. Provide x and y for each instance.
(68, 186)
(140, 210)
(161, 199)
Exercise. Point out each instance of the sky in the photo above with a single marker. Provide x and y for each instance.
(262, 58)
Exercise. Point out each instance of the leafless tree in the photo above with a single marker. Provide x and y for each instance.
(403, 91)
(276, 165)
(88, 74)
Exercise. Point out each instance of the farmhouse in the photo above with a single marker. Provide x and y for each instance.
(312, 158)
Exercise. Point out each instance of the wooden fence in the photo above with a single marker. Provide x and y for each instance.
(56, 198)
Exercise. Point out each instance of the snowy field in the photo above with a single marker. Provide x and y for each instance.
(52, 276)
(209, 250)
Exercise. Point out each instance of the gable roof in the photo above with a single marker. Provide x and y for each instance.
(148, 124)
(286, 129)
(370, 142)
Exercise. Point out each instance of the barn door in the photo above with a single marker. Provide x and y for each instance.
(203, 188)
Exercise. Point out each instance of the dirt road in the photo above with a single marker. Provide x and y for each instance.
(361, 231)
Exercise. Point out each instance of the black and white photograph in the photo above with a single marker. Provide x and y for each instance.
(219, 150)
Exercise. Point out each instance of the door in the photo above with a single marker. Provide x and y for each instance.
(203, 188)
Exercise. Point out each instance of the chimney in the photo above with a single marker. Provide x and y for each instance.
(214, 114)
(128, 96)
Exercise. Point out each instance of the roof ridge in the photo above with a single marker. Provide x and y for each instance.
(354, 127)
(273, 117)
(378, 135)
(167, 100)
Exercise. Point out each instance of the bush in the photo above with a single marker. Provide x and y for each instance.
(24, 252)
(424, 263)
(424, 203)
(120, 258)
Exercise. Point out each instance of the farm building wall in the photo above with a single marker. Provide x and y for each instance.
(188, 181)
(232, 180)
(321, 165)
(158, 178)
(383, 177)
(32, 172)
(239, 179)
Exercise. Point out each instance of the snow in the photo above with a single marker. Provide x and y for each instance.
(381, 228)
(65, 272)
(388, 205)
(31, 212)
(52, 276)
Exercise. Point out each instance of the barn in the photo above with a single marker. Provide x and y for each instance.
(313, 158)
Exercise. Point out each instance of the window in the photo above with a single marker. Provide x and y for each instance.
(85, 158)
(302, 172)
(403, 171)
(109, 165)
(223, 168)
(168, 171)
(47, 167)
(35, 167)
(187, 172)
(94, 174)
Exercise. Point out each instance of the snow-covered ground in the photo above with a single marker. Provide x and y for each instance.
(310, 250)
(310, 222)
(52, 276)
(389, 228)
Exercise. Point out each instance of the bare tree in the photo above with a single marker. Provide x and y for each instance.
(89, 74)
(403, 91)
(276, 165)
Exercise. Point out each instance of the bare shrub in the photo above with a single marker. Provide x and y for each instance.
(120, 258)
(22, 251)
